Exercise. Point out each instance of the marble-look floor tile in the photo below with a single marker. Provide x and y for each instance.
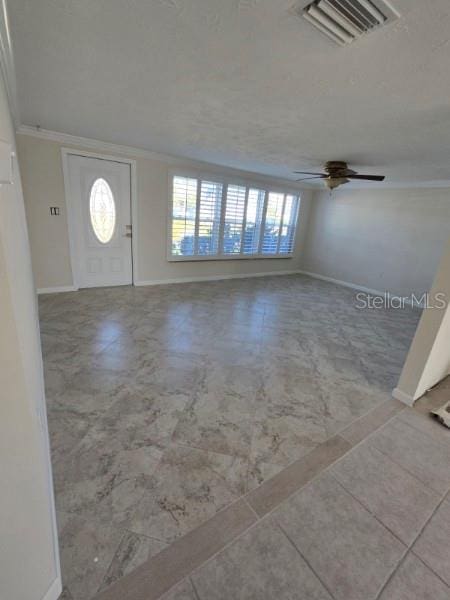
(371, 421)
(282, 439)
(280, 486)
(214, 422)
(399, 500)
(256, 372)
(66, 429)
(189, 486)
(139, 419)
(220, 415)
(66, 595)
(182, 591)
(182, 557)
(433, 544)
(351, 552)
(259, 471)
(86, 550)
(416, 452)
(261, 565)
(345, 401)
(103, 480)
(170, 373)
(133, 551)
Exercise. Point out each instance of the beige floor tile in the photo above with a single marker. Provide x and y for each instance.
(261, 565)
(414, 581)
(399, 500)
(417, 452)
(433, 546)
(427, 424)
(351, 552)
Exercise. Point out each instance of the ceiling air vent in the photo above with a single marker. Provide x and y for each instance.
(346, 20)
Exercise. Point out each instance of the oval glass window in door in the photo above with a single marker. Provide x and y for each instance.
(102, 210)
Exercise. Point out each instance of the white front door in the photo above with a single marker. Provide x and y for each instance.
(100, 215)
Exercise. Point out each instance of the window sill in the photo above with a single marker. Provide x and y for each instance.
(228, 257)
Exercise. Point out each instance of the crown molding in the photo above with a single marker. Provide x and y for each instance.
(132, 152)
(92, 144)
(7, 64)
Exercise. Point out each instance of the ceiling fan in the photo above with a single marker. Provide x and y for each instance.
(337, 173)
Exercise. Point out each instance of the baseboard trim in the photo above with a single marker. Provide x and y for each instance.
(56, 290)
(213, 278)
(355, 286)
(398, 394)
(54, 591)
(348, 284)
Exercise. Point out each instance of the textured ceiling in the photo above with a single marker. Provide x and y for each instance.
(243, 83)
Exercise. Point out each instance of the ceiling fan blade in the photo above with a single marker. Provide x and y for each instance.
(367, 177)
(316, 177)
(307, 173)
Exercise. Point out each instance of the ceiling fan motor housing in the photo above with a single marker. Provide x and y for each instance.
(338, 169)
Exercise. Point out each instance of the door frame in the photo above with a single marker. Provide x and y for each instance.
(70, 202)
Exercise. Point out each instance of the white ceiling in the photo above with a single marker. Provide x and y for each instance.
(243, 83)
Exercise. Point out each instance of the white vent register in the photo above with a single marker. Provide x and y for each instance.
(344, 21)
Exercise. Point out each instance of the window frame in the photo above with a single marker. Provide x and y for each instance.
(225, 181)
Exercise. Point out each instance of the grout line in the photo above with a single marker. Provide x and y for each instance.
(366, 508)
(304, 558)
(409, 548)
(269, 514)
(423, 432)
(387, 455)
(197, 595)
(106, 571)
(428, 567)
(244, 499)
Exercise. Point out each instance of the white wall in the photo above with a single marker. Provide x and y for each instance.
(44, 187)
(428, 359)
(29, 567)
(385, 239)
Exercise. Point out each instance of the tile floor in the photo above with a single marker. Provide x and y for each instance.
(354, 524)
(167, 404)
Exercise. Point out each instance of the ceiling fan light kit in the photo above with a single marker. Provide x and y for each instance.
(344, 21)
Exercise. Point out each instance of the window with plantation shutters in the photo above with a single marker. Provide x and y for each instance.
(253, 220)
(272, 224)
(184, 209)
(209, 218)
(218, 220)
(234, 219)
(289, 225)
